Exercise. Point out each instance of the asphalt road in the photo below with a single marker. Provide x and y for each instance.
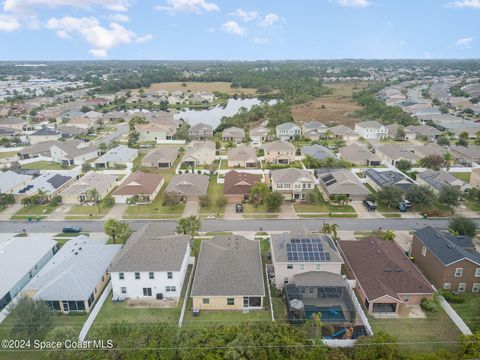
(237, 225)
(120, 130)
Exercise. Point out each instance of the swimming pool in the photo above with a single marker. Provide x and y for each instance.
(332, 313)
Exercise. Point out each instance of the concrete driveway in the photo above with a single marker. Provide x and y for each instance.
(10, 211)
(231, 213)
(116, 211)
(363, 213)
(192, 208)
(287, 211)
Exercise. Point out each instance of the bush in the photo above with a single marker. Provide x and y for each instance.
(221, 201)
(454, 299)
(205, 201)
(430, 305)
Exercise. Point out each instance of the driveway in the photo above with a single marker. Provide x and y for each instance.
(10, 211)
(192, 208)
(60, 212)
(116, 212)
(231, 213)
(287, 211)
(363, 213)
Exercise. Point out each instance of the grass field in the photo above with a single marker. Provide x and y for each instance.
(323, 207)
(469, 310)
(223, 87)
(93, 210)
(462, 176)
(45, 165)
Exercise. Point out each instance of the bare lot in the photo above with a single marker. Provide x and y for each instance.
(223, 87)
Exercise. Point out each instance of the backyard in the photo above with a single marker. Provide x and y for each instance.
(469, 310)
(46, 165)
(91, 211)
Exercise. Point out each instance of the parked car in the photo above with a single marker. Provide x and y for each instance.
(404, 206)
(71, 229)
(370, 205)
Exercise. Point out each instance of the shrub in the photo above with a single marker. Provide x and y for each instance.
(430, 305)
(205, 201)
(454, 299)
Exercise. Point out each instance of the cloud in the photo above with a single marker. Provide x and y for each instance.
(353, 3)
(260, 40)
(189, 6)
(98, 53)
(269, 20)
(119, 18)
(232, 27)
(8, 23)
(473, 4)
(245, 15)
(28, 6)
(143, 39)
(464, 43)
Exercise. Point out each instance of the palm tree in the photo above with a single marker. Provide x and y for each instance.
(448, 158)
(189, 226)
(315, 321)
(330, 229)
(388, 235)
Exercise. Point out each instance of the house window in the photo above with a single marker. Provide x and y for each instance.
(461, 287)
(302, 266)
(137, 276)
(317, 267)
(123, 290)
(230, 301)
(476, 287)
(424, 250)
(151, 275)
(169, 275)
(147, 291)
(285, 280)
(406, 298)
(289, 266)
(121, 276)
(477, 272)
(205, 301)
(458, 272)
(280, 186)
(170, 288)
(447, 286)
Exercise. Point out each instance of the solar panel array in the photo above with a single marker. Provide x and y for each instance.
(306, 249)
(329, 180)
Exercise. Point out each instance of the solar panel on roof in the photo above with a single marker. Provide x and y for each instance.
(306, 249)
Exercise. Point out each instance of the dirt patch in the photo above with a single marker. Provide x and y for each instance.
(223, 87)
(334, 109)
(148, 304)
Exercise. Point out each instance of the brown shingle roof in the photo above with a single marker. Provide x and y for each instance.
(139, 183)
(238, 183)
(381, 268)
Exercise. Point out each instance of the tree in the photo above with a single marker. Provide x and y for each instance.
(432, 162)
(420, 194)
(379, 346)
(258, 193)
(221, 201)
(32, 318)
(330, 229)
(462, 142)
(443, 141)
(450, 195)
(103, 148)
(389, 196)
(94, 197)
(86, 167)
(117, 230)
(400, 134)
(448, 158)
(388, 235)
(62, 333)
(6, 199)
(312, 197)
(403, 165)
(471, 345)
(170, 200)
(462, 226)
(189, 226)
(274, 201)
(341, 199)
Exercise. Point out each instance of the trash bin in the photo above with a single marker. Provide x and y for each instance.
(196, 311)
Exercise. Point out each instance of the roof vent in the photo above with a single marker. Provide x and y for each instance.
(378, 252)
(388, 270)
(397, 270)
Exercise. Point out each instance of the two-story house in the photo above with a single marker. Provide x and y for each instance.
(233, 134)
(200, 131)
(150, 266)
(371, 130)
(292, 183)
(288, 131)
(279, 152)
(449, 262)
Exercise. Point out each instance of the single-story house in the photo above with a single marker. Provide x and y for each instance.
(79, 191)
(144, 186)
(438, 179)
(161, 157)
(314, 129)
(317, 152)
(279, 152)
(379, 180)
(424, 131)
(237, 185)
(233, 134)
(393, 153)
(70, 131)
(10, 181)
(393, 131)
(469, 154)
(341, 182)
(199, 153)
(121, 155)
(243, 156)
(229, 275)
(155, 132)
(428, 150)
(50, 183)
(189, 186)
(386, 279)
(72, 152)
(36, 150)
(259, 135)
(45, 134)
(75, 277)
(292, 183)
(343, 132)
(358, 154)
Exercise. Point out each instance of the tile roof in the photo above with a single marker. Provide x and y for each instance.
(239, 183)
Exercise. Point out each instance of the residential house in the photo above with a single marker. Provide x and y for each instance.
(279, 152)
(314, 130)
(341, 182)
(237, 185)
(49, 183)
(426, 131)
(83, 122)
(449, 262)
(475, 178)
(371, 130)
(360, 155)
(36, 150)
(429, 150)
(233, 134)
(72, 152)
(393, 131)
(229, 275)
(317, 152)
(289, 257)
(243, 156)
(343, 132)
(200, 131)
(199, 153)
(11, 182)
(155, 132)
(393, 153)
(259, 135)
(44, 134)
(379, 180)
(79, 192)
(466, 154)
(120, 156)
(292, 183)
(22, 258)
(18, 125)
(438, 179)
(150, 266)
(188, 187)
(75, 277)
(161, 157)
(70, 131)
(386, 280)
(288, 131)
(143, 187)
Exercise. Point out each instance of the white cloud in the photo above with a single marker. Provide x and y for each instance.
(8, 23)
(98, 53)
(143, 39)
(191, 6)
(464, 43)
(269, 20)
(353, 3)
(119, 18)
(28, 6)
(474, 4)
(245, 15)
(259, 40)
(232, 27)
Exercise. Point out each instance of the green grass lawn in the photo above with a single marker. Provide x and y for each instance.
(33, 211)
(473, 205)
(46, 165)
(465, 176)
(252, 209)
(7, 154)
(469, 311)
(87, 210)
(420, 333)
(215, 191)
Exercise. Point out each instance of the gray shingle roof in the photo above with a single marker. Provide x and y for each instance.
(148, 250)
(229, 266)
(319, 278)
(317, 151)
(188, 185)
(389, 178)
(439, 179)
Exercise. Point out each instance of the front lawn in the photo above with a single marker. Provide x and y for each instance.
(465, 176)
(473, 205)
(91, 210)
(215, 191)
(46, 165)
(322, 207)
(252, 209)
(469, 310)
(35, 211)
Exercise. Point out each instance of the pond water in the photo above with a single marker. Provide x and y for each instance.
(213, 115)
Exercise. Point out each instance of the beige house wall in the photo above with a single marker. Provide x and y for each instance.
(219, 302)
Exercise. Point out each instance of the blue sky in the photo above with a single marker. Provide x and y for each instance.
(238, 30)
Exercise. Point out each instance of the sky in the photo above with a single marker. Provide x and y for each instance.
(238, 30)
